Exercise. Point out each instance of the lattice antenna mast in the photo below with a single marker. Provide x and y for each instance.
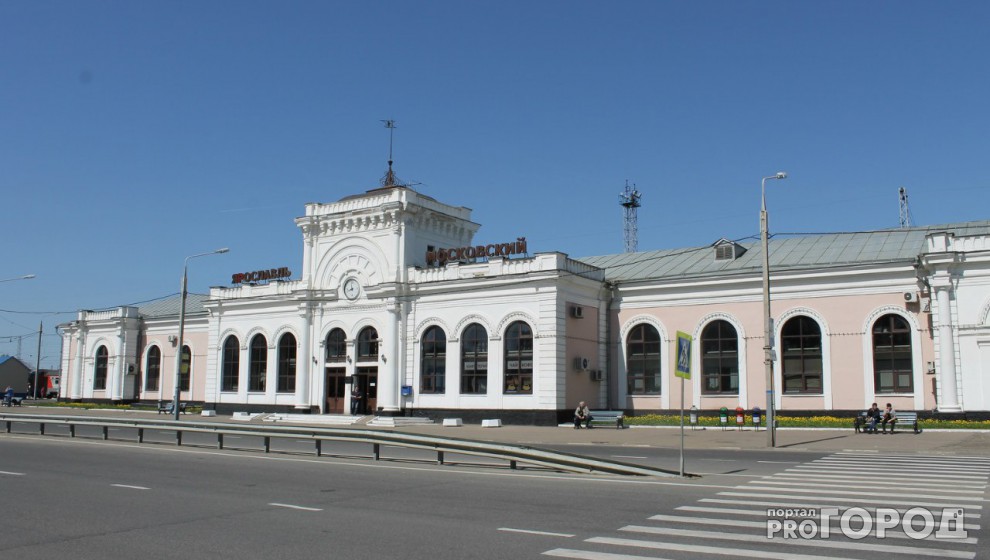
(629, 200)
(905, 210)
(390, 180)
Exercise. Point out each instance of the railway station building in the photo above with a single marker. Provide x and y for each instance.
(399, 297)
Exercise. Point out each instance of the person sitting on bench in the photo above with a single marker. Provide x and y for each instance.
(872, 418)
(889, 416)
(582, 414)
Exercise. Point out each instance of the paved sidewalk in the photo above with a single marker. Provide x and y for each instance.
(955, 442)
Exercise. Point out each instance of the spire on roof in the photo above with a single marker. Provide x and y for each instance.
(390, 180)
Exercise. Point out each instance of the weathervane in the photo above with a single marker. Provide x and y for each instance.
(390, 180)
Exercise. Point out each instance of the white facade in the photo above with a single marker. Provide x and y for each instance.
(369, 266)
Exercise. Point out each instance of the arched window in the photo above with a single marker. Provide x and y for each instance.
(230, 372)
(185, 368)
(519, 359)
(643, 360)
(336, 346)
(433, 361)
(474, 360)
(720, 358)
(258, 364)
(367, 345)
(153, 367)
(100, 369)
(801, 355)
(287, 363)
(893, 370)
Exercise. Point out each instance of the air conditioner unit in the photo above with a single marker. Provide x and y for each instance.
(577, 311)
(911, 297)
(581, 363)
(596, 375)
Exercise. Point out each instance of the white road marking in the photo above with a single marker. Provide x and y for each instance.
(12, 473)
(529, 532)
(803, 505)
(780, 462)
(884, 473)
(946, 457)
(900, 493)
(628, 457)
(902, 466)
(290, 506)
(848, 500)
(900, 487)
(131, 487)
(588, 555)
(762, 539)
(746, 553)
(873, 480)
(762, 526)
(763, 513)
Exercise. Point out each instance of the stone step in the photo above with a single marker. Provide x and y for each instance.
(315, 419)
(396, 421)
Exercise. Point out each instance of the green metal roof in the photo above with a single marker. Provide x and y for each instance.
(786, 253)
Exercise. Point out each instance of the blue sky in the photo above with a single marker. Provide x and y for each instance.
(134, 134)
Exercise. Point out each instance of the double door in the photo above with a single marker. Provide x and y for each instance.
(339, 386)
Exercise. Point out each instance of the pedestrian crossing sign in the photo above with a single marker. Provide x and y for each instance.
(683, 366)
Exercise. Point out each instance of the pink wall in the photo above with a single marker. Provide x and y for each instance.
(581, 338)
(844, 323)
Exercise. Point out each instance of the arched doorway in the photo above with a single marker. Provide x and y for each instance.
(336, 370)
(366, 373)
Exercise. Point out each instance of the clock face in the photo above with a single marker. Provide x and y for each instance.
(351, 288)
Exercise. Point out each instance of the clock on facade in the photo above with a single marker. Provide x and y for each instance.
(352, 289)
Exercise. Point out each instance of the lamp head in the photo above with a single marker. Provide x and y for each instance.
(780, 175)
(224, 250)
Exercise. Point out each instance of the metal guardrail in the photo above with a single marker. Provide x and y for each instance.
(514, 454)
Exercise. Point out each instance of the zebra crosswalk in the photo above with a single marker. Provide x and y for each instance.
(845, 506)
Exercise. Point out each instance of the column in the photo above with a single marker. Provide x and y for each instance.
(946, 353)
(388, 378)
(308, 242)
(116, 384)
(75, 391)
(304, 358)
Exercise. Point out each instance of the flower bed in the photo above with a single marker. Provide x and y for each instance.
(795, 422)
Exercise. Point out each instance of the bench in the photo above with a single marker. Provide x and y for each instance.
(14, 401)
(608, 417)
(909, 418)
(167, 408)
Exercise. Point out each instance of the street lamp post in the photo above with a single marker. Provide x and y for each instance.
(767, 318)
(182, 326)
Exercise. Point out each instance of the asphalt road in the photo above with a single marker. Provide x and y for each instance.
(90, 499)
(705, 462)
